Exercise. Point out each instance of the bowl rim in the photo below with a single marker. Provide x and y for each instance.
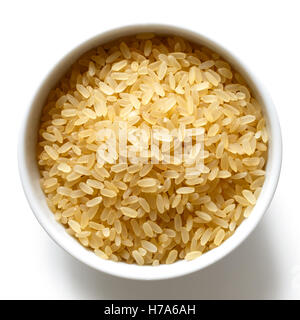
(180, 268)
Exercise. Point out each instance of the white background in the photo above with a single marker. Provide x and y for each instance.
(36, 34)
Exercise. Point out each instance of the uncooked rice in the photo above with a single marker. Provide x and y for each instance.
(147, 213)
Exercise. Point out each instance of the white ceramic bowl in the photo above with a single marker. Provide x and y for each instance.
(30, 174)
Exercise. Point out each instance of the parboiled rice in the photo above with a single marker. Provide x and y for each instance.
(149, 213)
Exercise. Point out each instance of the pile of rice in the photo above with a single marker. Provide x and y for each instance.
(149, 213)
